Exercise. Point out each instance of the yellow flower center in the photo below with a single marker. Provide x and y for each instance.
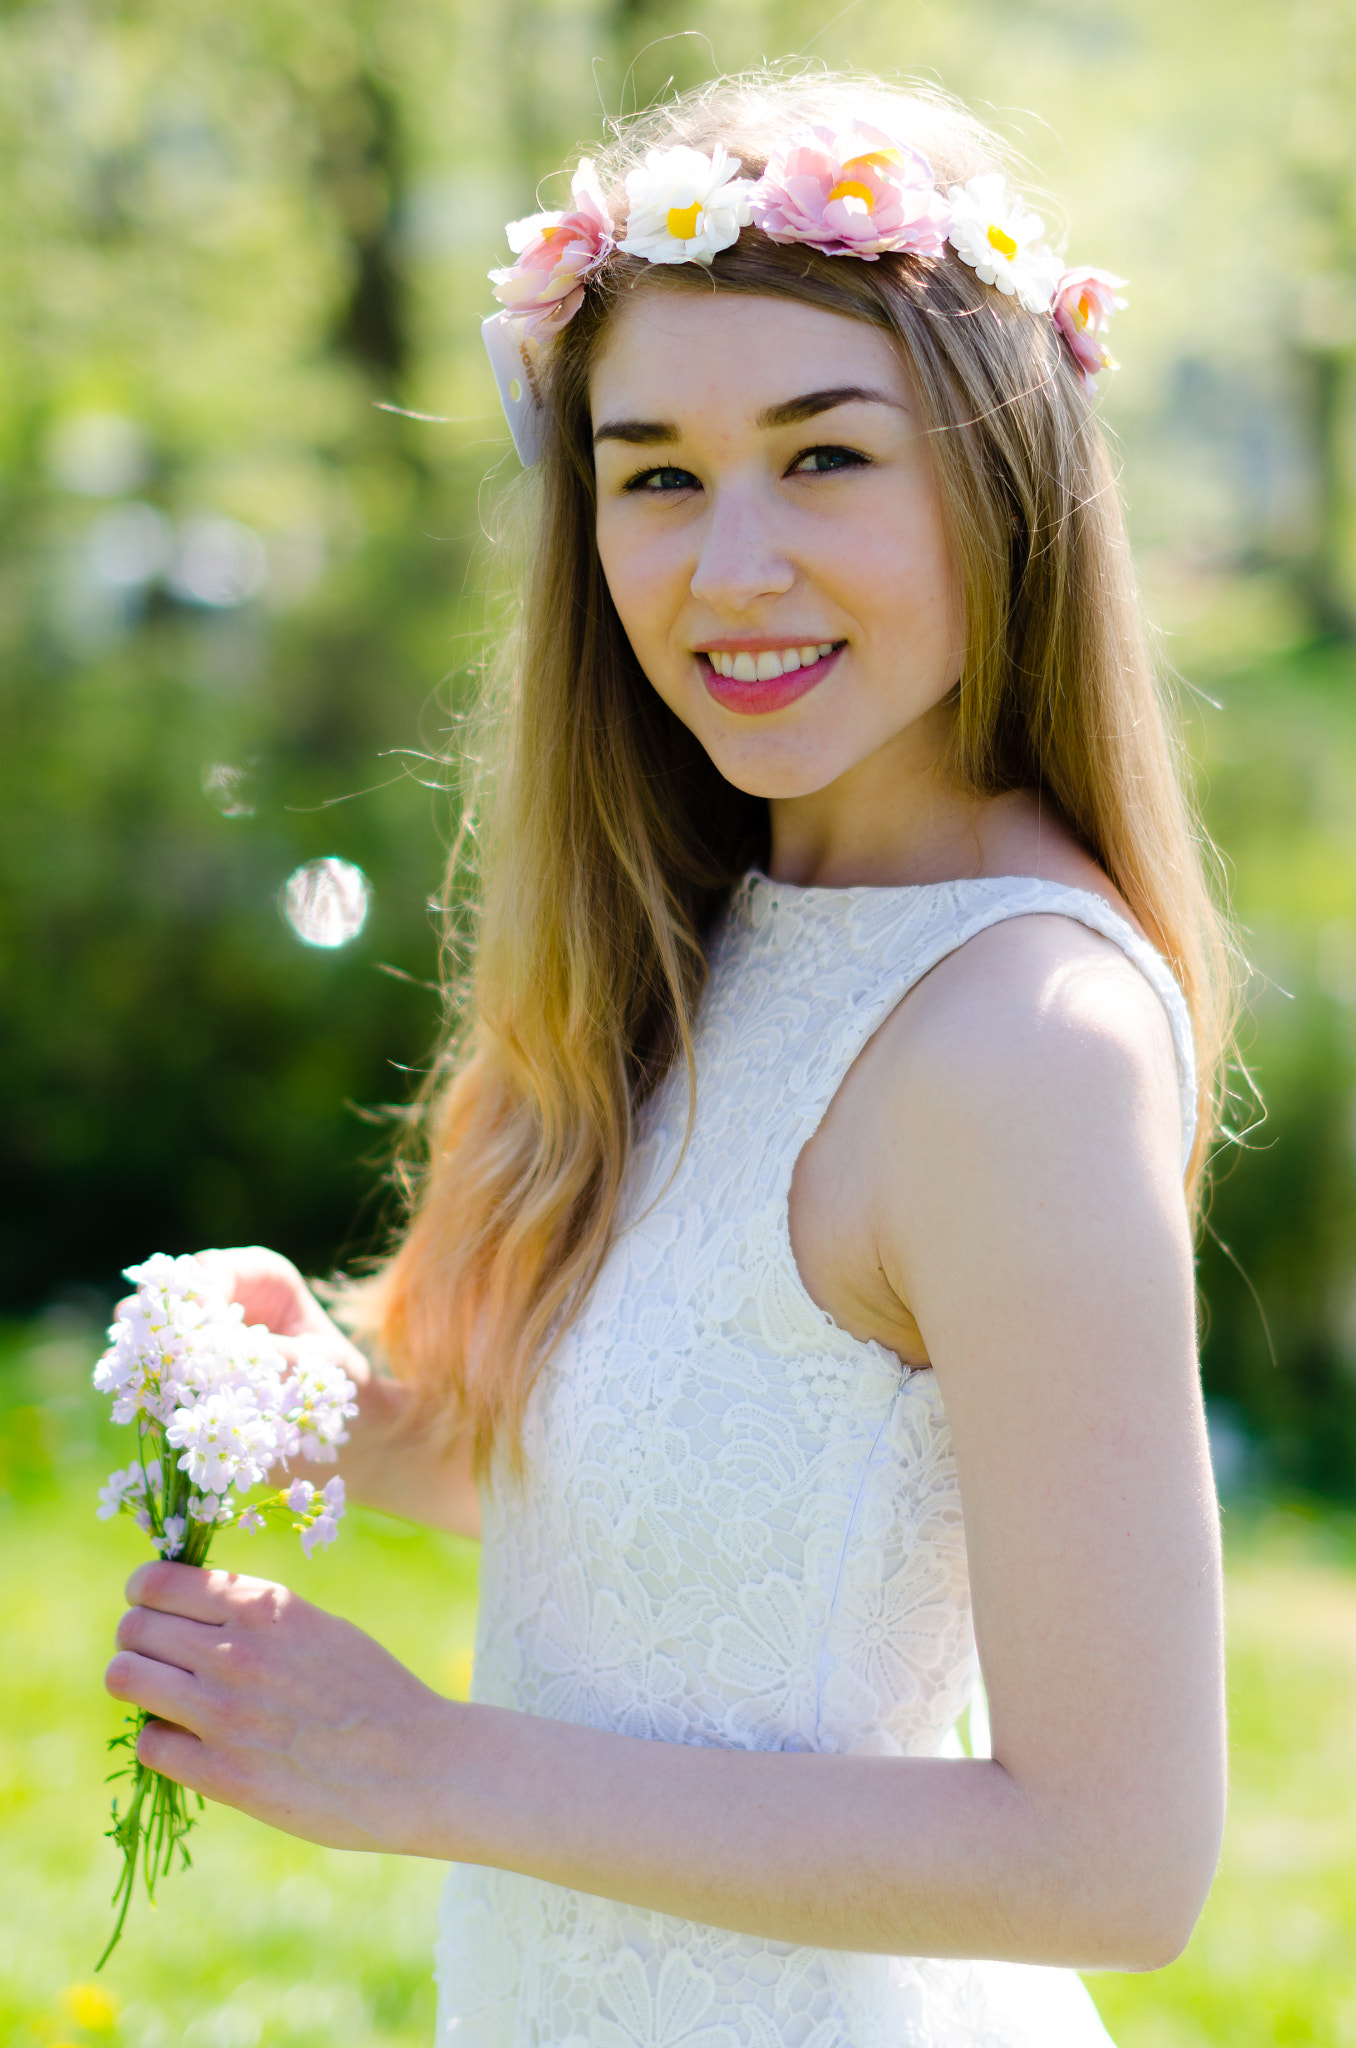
(850, 189)
(879, 159)
(1001, 240)
(682, 221)
(549, 234)
(1083, 313)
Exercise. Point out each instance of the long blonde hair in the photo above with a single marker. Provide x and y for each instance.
(610, 841)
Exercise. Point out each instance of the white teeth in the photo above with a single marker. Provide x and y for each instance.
(771, 662)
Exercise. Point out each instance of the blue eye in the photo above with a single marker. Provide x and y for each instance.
(815, 461)
(661, 480)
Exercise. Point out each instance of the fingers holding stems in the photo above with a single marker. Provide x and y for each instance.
(278, 1708)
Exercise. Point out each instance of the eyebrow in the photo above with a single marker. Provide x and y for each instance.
(790, 413)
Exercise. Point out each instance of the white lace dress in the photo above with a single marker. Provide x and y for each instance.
(742, 1526)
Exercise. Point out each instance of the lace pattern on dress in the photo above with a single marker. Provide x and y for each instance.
(742, 1526)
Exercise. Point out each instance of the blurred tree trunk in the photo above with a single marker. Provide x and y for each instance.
(360, 172)
(1323, 580)
(528, 124)
(1320, 153)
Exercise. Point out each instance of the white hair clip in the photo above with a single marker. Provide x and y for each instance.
(513, 359)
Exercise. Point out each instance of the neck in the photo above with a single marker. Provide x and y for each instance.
(895, 818)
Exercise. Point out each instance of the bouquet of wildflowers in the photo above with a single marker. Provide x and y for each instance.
(217, 1408)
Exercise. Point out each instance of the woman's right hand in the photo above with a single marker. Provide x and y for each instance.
(385, 1463)
(271, 1291)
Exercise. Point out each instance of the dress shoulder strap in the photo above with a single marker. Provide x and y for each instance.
(898, 935)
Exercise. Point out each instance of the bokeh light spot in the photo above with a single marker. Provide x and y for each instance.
(130, 545)
(227, 787)
(98, 454)
(218, 562)
(326, 901)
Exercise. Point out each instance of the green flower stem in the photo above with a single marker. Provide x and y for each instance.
(153, 1827)
(158, 1816)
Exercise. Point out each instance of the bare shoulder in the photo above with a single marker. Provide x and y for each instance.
(1028, 1117)
(1038, 1011)
(1029, 1079)
(1038, 1005)
(1028, 1082)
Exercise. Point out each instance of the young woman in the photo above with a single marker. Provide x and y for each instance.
(803, 1263)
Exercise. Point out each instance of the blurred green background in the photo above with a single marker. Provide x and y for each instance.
(242, 606)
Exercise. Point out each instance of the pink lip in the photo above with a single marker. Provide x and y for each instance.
(757, 698)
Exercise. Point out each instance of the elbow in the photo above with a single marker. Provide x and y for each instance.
(1128, 1885)
(1142, 1918)
(1148, 1940)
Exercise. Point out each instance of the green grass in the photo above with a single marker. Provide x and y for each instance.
(266, 1940)
(1273, 1959)
(270, 1943)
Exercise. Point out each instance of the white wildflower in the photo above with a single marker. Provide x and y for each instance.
(122, 1487)
(225, 1440)
(210, 1507)
(323, 1530)
(326, 1525)
(316, 1401)
(685, 207)
(200, 1382)
(1000, 239)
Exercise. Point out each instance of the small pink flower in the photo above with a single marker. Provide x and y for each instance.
(555, 252)
(854, 193)
(1083, 305)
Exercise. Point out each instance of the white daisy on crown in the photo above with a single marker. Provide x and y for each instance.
(851, 191)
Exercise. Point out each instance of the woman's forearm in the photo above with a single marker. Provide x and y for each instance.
(915, 1856)
(387, 1465)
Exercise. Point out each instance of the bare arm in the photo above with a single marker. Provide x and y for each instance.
(1026, 1170)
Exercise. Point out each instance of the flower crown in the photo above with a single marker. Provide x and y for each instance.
(850, 192)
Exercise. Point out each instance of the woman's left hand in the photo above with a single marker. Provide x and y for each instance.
(264, 1702)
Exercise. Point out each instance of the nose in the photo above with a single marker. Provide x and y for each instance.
(741, 558)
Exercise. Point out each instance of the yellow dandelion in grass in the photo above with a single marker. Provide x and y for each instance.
(91, 2007)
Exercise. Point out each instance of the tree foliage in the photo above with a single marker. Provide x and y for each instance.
(242, 601)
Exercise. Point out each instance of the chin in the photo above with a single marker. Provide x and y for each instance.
(778, 772)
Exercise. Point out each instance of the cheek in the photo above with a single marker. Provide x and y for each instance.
(645, 579)
(906, 581)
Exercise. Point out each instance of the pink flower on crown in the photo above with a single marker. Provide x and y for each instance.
(555, 252)
(854, 192)
(1083, 305)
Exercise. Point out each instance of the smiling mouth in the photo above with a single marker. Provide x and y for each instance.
(768, 663)
(755, 681)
